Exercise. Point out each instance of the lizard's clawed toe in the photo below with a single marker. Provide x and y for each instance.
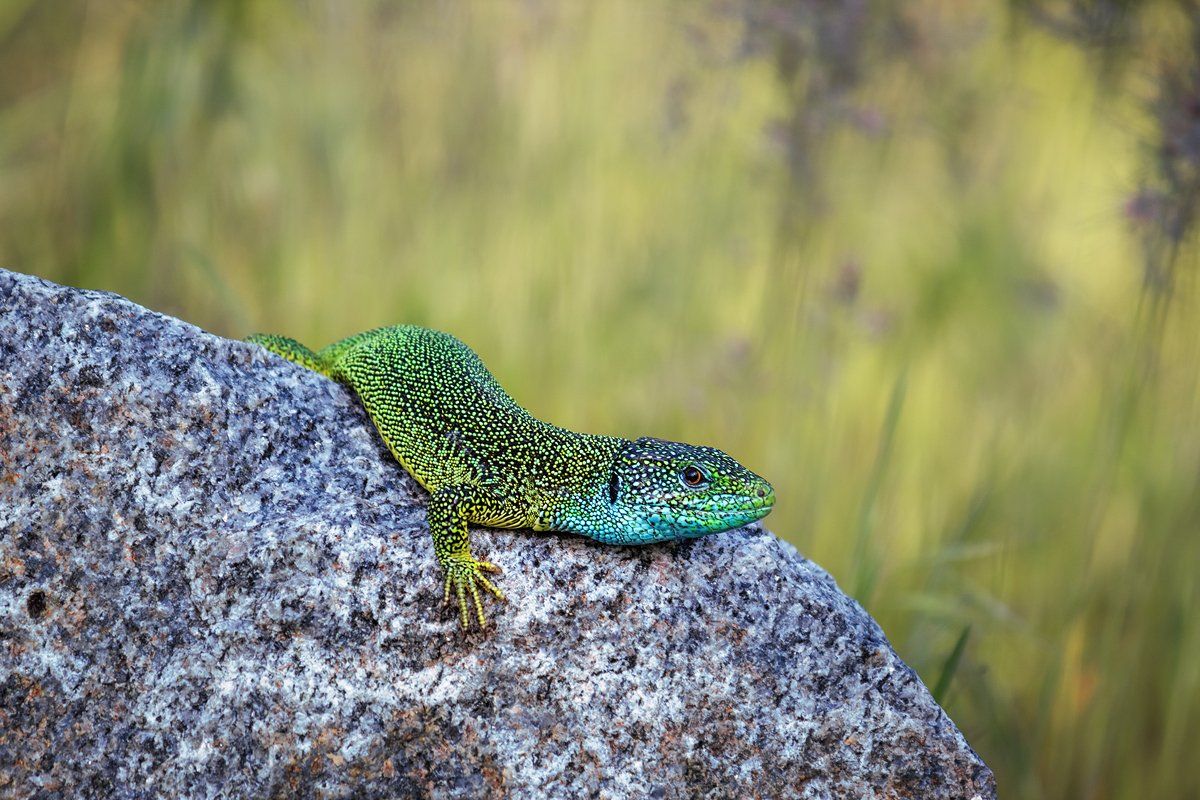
(465, 574)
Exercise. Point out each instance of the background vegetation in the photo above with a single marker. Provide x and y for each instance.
(927, 268)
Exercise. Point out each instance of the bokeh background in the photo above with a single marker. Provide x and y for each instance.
(926, 266)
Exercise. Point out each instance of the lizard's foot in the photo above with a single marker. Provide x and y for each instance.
(465, 574)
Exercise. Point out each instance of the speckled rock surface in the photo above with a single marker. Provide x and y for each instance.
(214, 582)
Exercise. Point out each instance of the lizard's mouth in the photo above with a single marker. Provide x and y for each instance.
(715, 514)
(744, 516)
(742, 508)
(734, 505)
(757, 512)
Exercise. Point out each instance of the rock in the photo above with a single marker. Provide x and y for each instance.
(214, 581)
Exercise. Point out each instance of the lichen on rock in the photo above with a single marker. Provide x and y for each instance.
(215, 581)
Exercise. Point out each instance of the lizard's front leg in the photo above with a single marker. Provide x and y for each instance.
(449, 510)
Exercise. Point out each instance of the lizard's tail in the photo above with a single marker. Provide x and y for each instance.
(292, 351)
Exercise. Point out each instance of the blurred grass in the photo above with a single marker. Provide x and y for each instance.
(885, 257)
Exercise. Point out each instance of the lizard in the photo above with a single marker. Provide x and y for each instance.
(485, 460)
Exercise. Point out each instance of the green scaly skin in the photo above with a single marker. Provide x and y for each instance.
(485, 460)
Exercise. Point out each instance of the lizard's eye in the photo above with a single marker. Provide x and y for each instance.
(693, 476)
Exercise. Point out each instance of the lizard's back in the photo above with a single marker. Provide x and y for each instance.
(438, 408)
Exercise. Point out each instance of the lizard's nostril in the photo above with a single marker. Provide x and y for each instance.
(761, 492)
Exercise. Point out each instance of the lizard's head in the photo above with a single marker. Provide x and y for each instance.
(661, 490)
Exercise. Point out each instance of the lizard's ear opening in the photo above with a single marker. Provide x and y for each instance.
(614, 486)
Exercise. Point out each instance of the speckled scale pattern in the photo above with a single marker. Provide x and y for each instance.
(488, 461)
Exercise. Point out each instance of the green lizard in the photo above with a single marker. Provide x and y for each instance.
(486, 460)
